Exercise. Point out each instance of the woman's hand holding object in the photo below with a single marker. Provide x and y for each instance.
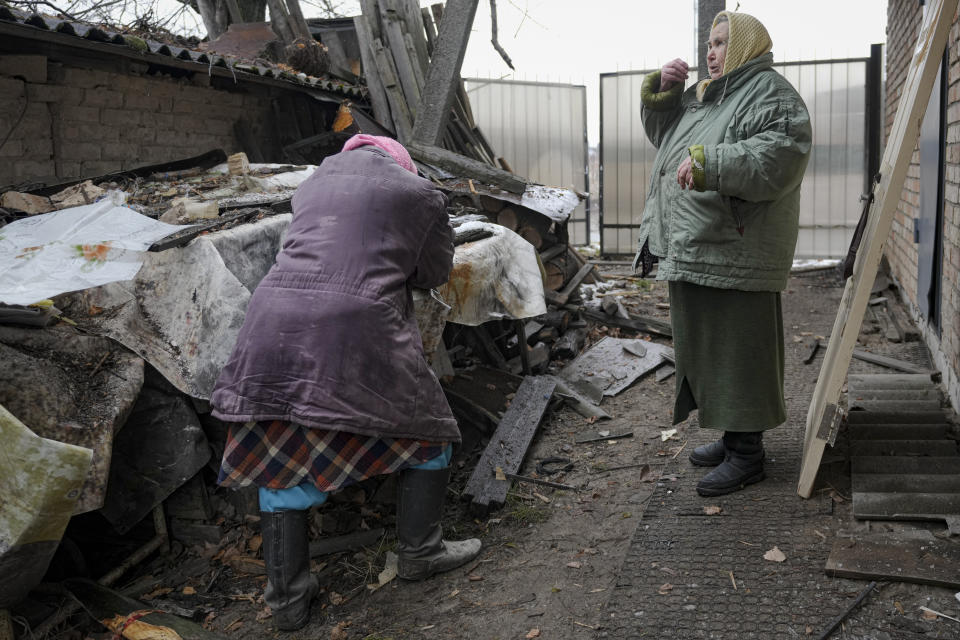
(673, 72)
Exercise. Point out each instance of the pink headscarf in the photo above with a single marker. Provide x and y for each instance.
(391, 146)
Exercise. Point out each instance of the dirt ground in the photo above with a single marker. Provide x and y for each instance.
(550, 557)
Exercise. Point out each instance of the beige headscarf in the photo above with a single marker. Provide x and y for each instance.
(748, 39)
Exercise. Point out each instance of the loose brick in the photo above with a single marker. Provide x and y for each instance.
(140, 102)
(31, 68)
(11, 88)
(95, 168)
(54, 93)
(11, 149)
(86, 78)
(38, 147)
(34, 169)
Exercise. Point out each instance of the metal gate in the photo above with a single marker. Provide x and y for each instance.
(540, 129)
(835, 94)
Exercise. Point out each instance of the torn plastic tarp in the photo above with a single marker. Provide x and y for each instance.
(40, 486)
(493, 278)
(74, 249)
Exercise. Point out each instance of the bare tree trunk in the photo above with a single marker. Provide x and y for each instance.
(279, 20)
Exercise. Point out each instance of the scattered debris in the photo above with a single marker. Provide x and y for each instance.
(774, 555)
(713, 510)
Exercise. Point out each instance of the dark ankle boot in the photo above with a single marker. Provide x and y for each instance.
(743, 464)
(709, 455)
(286, 553)
(421, 549)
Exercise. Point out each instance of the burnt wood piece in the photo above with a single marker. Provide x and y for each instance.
(467, 167)
(923, 560)
(560, 298)
(637, 323)
(522, 345)
(537, 357)
(181, 238)
(557, 318)
(471, 235)
(478, 416)
(443, 76)
(508, 445)
(570, 344)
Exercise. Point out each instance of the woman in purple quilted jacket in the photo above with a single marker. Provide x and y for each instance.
(328, 385)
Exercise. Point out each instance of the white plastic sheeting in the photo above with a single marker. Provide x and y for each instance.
(73, 249)
(493, 278)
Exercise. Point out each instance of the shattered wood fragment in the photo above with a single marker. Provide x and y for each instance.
(508, 445)
(886, 361)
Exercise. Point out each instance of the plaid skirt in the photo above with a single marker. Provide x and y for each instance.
(279, 455)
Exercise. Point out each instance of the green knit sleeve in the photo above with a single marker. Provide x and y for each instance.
(657, 100)
(698, 163)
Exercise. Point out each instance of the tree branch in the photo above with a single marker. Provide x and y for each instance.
(493, 36)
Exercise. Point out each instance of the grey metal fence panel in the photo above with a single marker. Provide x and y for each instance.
(540, 129)
(835, 94)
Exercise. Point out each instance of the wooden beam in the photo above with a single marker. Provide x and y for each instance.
(893, 170)
(393, 36)
(378, 94)
(509, 443)
(466, 167)
(443, 76)
(402, 120)
(643, 324)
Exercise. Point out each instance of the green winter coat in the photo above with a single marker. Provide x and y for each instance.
(750, 141)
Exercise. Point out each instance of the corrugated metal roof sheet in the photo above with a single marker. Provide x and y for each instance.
(147, 48)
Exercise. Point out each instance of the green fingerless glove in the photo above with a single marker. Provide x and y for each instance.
(697, 165)
(657, 100)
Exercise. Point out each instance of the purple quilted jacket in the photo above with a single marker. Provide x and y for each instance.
(330, 339)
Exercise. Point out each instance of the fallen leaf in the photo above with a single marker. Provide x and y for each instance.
(474, 577)
(339, 632)
(335, 598)
(499, 474)
(597, 590)
(453, 593)
(667, 434)
(255, 543)
(809, 630)
(533, 633)
(233, 626)
(774, 555)
(899, 608)
(712, 510)
(542, 497)
(646, 475)
(189, 591)
(669, 571)
(589, 551)
(574, 565)
(928, 615)
(603, 434)
(264, 613)
(665, 589)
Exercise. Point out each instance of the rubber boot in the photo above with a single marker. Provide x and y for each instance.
(742, 466)
(286, 553)
(709, 455)
(421, 549)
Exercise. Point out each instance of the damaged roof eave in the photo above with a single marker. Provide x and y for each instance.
(556, 203)
(60, 33)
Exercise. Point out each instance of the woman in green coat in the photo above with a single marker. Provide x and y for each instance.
(721, 218)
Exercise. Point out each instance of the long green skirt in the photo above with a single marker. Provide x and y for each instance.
(729, 351)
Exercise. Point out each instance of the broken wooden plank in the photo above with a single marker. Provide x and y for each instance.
(923, 560)
(900, 483)
(509, 443)
(888, 362)
(894, 431)
(391, 23)
(905, 506)
(399, 110)
(443, 76)
(490, 347)
(903, 448)
(637, 323)
(889, 381)
(375, 88)
(896, 161)
(463, 166)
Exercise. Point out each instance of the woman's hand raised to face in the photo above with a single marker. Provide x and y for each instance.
(673, 72)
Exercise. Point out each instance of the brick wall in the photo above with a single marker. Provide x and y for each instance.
(80, 122)
(903, 20)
